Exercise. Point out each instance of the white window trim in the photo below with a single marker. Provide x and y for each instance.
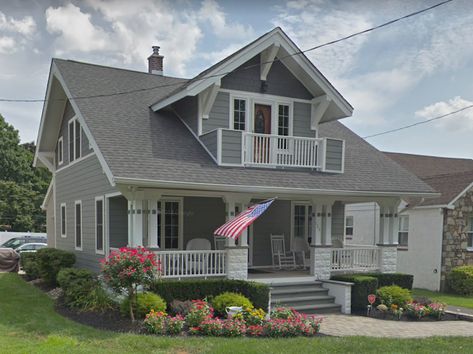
(232, 112)
(101, 198)
(73, 122)
(60, 159)
(349, 237)
(291, 117)
(403, 231)
(180, 241)
(469, 233)
(78, 202)
(306, 205)
(65, 219)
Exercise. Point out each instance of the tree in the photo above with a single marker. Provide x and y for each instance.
(22, 187)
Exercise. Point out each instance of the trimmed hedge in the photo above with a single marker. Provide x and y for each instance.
(386, 279)
(29, 264)
(363, 286)
(183, 290)
(460, 280)
(51, 260)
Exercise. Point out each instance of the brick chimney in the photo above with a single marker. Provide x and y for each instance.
(155, 62)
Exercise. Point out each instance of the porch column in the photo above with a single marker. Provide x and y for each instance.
(153, 224)
(321, 240)
(135, 222)
(237, 256)
(388, 235)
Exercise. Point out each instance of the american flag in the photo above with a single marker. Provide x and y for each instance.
(233, 228)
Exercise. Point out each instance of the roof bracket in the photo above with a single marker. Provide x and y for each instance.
(267, 59)
(319, 106)
(207, 99)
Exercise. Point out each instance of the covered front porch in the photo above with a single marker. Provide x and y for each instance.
(310, 231)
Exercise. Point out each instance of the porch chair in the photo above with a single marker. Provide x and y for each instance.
(219, 242)
(198, 265)
(301, 247)
(280, 257)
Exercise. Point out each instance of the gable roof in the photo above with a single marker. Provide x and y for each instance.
(449, 176)
(289, 54)
(140, 145)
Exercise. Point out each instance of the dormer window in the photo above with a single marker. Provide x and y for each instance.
(239, 114)
(75, 140)
(283, 120)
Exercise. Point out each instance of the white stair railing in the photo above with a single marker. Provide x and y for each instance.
(355, 259)
(181, 264)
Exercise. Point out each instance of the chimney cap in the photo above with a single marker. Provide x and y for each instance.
(156, 49)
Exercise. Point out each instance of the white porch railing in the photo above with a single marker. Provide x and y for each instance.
(275, 150)
(355, 259)
(182, 264)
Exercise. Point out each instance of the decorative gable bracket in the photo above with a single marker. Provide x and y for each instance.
(207, 99)
(319, 106)
(267, 59)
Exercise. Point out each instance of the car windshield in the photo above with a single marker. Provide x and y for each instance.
(13, 243)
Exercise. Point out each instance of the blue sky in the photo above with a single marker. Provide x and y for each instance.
(405, 73)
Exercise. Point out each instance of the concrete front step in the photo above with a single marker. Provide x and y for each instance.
(318, 309)
(303, 300)
(298, 291)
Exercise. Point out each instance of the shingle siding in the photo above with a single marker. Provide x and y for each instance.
(219, 114)
(83, 181)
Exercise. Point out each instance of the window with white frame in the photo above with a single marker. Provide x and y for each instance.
(63, 220)
(75, 139)
(403, 230)
(99, 228)
(302, 221)
(60, 151)
(78, 224)
(469, 235)
(283, 125)
(349, 221)
(239, 114)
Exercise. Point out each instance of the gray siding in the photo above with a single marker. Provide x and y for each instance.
(219, 114)
(83, 181)
(210, 142)
(276, 220)
(338, 223)
(280, 80)
(333, 155)
(85, 150)
(118, 221)
(187, 110)
(201, 217)
(301, 120)
(231, 146)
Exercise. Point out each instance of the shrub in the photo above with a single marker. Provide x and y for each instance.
(29, 264)
(284, 313)
(126, 269)
(436, 309)
(50, 261)
(174, 325)
(199, 312)
(145, 303)
(233, 328)
(362, 287)
(423, 300)
(460, 280)
(252, 317)
(210, 327)
(394, 295)
(155, 322)
(400, 279)
(416, 311)
(222, 301)
(255, 331)
(182, 308)
(170, 290)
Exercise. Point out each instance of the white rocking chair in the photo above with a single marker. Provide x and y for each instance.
(280, 257)
(301, 247)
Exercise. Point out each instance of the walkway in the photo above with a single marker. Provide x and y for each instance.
(343, 325)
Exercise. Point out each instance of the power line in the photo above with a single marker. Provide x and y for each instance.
(419, 123)
(415, 13)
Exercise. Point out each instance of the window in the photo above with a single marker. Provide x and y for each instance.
(239, 114)
(60, 151)
(469, 235)
(403, 230)
(283, 120)
(74, 140)
(99, 230)
(78, 225)
(349, 227)
(168, 219)
(302, 222)
(63, 220)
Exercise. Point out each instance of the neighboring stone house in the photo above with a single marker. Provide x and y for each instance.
(435, 234)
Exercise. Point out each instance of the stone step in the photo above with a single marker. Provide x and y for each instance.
(289, 284)
(302, 300)
(306, 291)
(318, 309)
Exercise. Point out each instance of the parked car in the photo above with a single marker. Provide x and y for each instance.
(16, 242)
(30, 247)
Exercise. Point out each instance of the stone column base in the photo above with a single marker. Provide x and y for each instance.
(320, 262)
(237, 263)
(387, 258)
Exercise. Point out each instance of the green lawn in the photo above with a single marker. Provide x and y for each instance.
(449, 299)
(28, 324)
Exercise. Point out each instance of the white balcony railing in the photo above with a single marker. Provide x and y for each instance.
(274, 150)
(355, 259)
(182, 264)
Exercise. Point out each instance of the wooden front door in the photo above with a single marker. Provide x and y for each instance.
(262, 125)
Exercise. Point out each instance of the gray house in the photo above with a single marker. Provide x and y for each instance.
(140, 158)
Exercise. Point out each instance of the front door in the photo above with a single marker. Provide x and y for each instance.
(169, 215)
(262, 125)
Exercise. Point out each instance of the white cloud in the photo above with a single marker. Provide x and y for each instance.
(459, 121)
(75, 30)
(7, 45)
(24, 26)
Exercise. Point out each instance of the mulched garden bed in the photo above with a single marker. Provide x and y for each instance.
(389, 317)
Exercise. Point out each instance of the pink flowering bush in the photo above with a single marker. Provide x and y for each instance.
(199, 312)
(436, 309)
(155, 322)
(296, 325)
(233, 328)
(209, 327)
(175, 325)
(283, 313)
(417, 311)
(126, 269)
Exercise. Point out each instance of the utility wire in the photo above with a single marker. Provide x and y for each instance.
(246, 67)
(449, 114)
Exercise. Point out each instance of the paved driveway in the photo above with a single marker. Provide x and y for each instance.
(343, 325)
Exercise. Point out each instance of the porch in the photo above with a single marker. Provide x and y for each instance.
(179, 225)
